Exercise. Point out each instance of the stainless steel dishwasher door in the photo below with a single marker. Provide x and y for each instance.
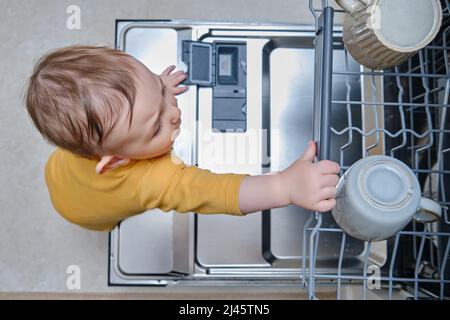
(158, 248)
(281, 99)
(155, 245)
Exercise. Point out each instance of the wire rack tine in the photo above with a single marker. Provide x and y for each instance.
(402, 114)
(416, 269)
(349, 113)
(391, 267)
(313, 254)
(443, 268)
(304, 248)
(366, 262)
(341, 256)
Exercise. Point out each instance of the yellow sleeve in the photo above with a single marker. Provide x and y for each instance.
(169, 184)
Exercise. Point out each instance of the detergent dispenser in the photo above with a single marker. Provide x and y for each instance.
(222, 66)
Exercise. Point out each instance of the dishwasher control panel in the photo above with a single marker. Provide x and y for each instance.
(222, 66)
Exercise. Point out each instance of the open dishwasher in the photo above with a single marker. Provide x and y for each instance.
(404, 112)
(293, 83)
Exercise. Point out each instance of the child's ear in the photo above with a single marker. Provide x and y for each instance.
(108, 163)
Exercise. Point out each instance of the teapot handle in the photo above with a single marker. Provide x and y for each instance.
(351, 5)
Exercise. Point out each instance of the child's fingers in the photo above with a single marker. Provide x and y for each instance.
(329, 180)
(168, 70)
(179, 72)
(327, 166)
(326, 205)
(176, 80)
(328, 193)
(179, 90)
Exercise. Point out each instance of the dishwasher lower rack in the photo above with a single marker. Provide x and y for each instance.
(405, 114)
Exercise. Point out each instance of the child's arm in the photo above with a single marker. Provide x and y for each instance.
(262, 192)
(171, 185)
(305, 184)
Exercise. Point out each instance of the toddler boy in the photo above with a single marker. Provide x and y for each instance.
(114, 123)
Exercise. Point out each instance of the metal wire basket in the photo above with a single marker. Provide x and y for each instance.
(401, 112)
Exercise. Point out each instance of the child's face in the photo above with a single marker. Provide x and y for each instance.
(156, 117)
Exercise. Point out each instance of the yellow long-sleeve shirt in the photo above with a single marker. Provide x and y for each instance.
(100, 202)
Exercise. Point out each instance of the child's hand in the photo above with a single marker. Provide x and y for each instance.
(171, 81)
(311, 185)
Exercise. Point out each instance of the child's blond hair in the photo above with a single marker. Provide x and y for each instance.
(75, 94)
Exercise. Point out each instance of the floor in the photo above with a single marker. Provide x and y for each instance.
(148, 293)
